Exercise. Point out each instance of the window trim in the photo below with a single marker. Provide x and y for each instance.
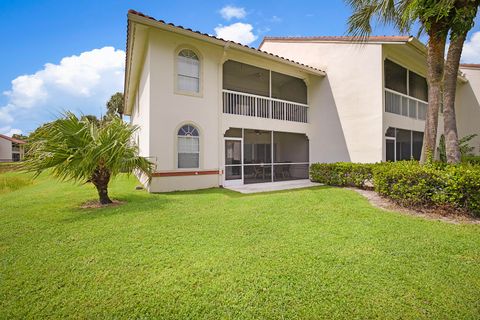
(200, 145)
(175, 71)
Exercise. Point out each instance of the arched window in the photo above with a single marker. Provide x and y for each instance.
(188, 71)
(188, 147)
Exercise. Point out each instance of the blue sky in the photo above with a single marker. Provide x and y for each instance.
(89, 36)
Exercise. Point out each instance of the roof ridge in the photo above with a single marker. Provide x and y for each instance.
(470, 65)
(349, 38)
(15, 140)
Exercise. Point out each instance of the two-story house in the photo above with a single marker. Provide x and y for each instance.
(213, 112)
(11, 149)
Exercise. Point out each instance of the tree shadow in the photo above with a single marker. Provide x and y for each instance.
(131, 204)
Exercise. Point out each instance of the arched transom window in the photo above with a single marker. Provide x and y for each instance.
(188, 147)
(188, 71)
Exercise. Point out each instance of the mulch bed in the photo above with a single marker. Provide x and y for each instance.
(433, 214)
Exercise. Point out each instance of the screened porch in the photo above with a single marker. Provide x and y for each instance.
(256, 156)
(256, 92)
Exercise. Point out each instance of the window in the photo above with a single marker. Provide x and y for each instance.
(395, 77)
(188, 147)
(188, 71)
(403, 144)
(417, 86)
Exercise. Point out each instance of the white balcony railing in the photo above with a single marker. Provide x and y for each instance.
(404, 105)
(251, 105)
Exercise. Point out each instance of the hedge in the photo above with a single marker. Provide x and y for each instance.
(475, 160)
(342, 174)
(409, 183)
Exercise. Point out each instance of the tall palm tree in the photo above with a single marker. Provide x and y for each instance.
(436, 19)
(83, 150)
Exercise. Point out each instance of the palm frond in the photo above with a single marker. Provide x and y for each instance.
(73, 148)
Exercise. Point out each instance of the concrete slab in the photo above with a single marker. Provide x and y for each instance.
(273, 186)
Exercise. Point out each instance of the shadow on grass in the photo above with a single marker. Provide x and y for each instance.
(154, 202)
(131, 204)
(235, 194)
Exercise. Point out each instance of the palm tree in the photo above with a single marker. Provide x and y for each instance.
(115, 106)
(82, 150)
(437, 18)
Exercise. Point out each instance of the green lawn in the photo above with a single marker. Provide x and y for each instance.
(313, 253)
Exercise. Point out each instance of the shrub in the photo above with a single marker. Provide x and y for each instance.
(434, 185)
(342, 174)
(475, 160)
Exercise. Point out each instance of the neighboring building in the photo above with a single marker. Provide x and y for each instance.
(11, 149)
(213, 112)
(468, 105)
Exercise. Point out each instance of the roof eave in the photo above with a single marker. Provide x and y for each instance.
(220, 42)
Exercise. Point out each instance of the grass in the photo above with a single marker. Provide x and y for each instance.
(313, 253)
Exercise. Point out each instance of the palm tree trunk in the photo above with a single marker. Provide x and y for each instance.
(100, 179)
(449, 119)
(435, 66)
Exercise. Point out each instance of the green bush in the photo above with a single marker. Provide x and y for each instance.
(342, 174)
(434, 185)
(475, 160)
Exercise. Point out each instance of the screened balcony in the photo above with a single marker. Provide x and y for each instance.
(256, 156)
(256, 92)
(406, 93)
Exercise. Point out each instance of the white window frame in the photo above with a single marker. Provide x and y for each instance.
(200, 72)
(177, 142)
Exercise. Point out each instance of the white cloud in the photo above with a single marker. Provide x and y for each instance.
(238, 32)
(9, 131)
(79, 83)
(229, 12)
(275, 19)
(471, 49)
(5, 116)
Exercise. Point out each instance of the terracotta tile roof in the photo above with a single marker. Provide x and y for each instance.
(343, 38)
(213, 37)
(12, 139)
(470, 65)
(340, 39)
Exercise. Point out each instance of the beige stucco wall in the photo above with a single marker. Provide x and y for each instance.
(346, 116)
(5, 150)
(160, 110)
(468, 106)
(141, 109)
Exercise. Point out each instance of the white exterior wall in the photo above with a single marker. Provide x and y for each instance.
(468, 106)
(160, 110)
(346, 116)
(5, 150)
(141, 109)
